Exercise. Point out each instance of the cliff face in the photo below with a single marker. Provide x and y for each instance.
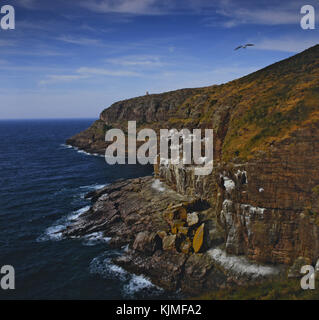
(149, 111)
(264, 190)
(267, 206)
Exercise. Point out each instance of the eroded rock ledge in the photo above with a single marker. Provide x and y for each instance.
(171, 237)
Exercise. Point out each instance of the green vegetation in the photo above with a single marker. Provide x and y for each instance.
(248, 115)
(270, 290)
(315, 190)
(264, 107)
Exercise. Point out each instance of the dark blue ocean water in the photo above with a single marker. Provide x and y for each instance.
(42, 188)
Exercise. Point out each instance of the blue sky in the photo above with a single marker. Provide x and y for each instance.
(73, 58)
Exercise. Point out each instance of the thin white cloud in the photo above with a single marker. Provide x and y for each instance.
(260, 16)
(151, 7)
(80, 41)
(292, 45)
(137, 61)
(35, 53)
(43, 25)
(86, 73)
(123, 6)
(61, 78)
(106, 72)
(232, 13)
(28, 4)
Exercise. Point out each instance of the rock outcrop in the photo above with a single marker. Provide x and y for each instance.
(166, 235)
(262, 199)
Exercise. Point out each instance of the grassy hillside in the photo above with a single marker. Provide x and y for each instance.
(270, 290)
(248, 114)
(264, 107)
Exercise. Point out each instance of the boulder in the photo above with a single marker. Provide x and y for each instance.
(182, 214)
(168, 216)
(186, 246)
(183, 230)
(192, 219)
(162, 234)
(146, 242)
(175, 225)
(198, 239)
(169, 242)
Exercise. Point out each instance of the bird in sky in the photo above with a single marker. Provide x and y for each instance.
(245, 46)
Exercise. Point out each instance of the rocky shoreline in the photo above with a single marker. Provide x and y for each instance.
(259, 205)
(170, 238)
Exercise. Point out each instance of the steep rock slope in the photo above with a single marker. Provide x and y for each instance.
(265, 185)
(148, 111)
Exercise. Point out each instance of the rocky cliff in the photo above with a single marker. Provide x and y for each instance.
(263, 194)
(150, 111)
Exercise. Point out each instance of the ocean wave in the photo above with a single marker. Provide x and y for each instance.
(67, 146)
(55, 232)
(84, 152)
(95, 238)
(90, 188)
(52, 233)
(132, 284)
(139, 284)
(108, 270)
(76, 214)
(94, 187)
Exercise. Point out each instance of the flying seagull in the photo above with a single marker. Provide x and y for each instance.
(245, 46)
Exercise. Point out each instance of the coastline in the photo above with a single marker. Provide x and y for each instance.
(262, 195)
(134, 214)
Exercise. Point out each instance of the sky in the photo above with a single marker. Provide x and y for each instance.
(73, 58)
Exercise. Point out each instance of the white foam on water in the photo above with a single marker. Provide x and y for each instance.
(67, 146)
(54, 233)
(89, 188)
(138, 283)
(95, 238)
(132, 283)
(94, 187)
(98, 155)
(76, 214)
(158, 185)
(241, 265)
(108, 270)
(84, 152)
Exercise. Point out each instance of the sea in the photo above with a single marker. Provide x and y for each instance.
(43, 182)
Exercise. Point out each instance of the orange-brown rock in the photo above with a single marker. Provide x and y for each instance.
(198, 239)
